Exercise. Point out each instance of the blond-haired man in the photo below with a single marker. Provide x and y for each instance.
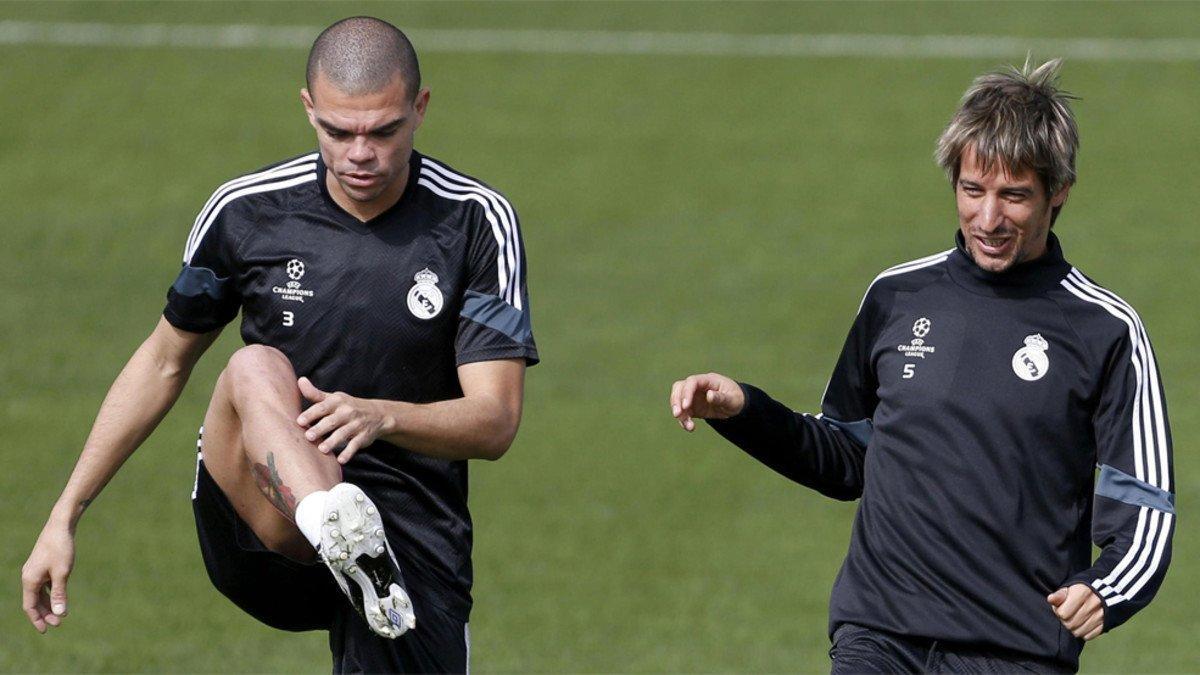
(976, 393)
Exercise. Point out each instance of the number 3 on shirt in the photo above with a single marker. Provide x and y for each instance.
(289, 318)
(910, 369)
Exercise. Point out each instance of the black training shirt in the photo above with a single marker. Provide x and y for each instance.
(968, 411)
(384, 309)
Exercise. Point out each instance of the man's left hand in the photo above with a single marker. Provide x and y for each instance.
(1079, 609)
(341, 419)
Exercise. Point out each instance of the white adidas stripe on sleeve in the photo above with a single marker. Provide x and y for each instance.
(204, 226)
(1151, 461)
(497, 211)
(289, 168)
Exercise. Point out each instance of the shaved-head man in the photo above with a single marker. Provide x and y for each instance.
(386, 320)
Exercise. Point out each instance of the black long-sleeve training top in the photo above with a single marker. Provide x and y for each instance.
(968, 411)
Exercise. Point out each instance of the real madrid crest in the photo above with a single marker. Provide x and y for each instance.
(1030, 362)
(424, 299)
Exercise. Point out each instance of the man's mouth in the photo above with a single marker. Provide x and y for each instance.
(360, 178)
(994, 246)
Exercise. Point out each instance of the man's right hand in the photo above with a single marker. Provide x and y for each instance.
(709, 396)
(141, 395)
(44, 577)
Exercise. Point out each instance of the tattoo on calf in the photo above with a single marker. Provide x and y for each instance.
(267, 477)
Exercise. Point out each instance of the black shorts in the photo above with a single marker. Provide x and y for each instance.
(858, 649)
(288, 595)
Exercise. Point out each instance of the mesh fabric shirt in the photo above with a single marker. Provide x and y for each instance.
(383, 309)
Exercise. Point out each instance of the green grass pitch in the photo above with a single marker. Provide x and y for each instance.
(681, 213)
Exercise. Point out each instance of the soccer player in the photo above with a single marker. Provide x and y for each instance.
(975, 395)
(387, 328)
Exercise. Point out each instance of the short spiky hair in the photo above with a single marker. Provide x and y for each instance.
(362, 54)
(1016, 119)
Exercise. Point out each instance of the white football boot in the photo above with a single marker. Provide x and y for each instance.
(355, 549)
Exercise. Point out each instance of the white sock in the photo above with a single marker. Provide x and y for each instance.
(310, 512)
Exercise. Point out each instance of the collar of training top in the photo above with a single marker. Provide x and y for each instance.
(414, 170)
(1028, 278)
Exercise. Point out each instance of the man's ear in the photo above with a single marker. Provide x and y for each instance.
(420, 105)
(1060, 197)
(306, 99)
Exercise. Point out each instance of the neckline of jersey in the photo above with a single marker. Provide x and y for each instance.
(361, 226)
(1029, 278)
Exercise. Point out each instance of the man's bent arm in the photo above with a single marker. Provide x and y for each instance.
(479, 425)
(814, 451)
(1133, 518)
(139, 398)
(824, 452)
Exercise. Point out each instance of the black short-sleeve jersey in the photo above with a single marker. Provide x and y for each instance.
(383, 309)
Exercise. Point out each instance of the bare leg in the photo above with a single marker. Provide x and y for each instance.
(257, 454)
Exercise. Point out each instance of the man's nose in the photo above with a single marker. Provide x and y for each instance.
(989, 213)
(360, 151)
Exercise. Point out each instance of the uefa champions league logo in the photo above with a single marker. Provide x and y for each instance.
(292, 290)
(917, 348)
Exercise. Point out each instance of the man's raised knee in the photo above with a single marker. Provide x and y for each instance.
(258, 365)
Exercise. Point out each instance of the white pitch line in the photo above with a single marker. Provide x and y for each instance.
(797, 45)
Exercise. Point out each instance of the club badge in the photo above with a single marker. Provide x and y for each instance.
(424, 299)
(1030, 362)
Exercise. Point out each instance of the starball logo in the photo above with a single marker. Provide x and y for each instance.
(295, 269)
